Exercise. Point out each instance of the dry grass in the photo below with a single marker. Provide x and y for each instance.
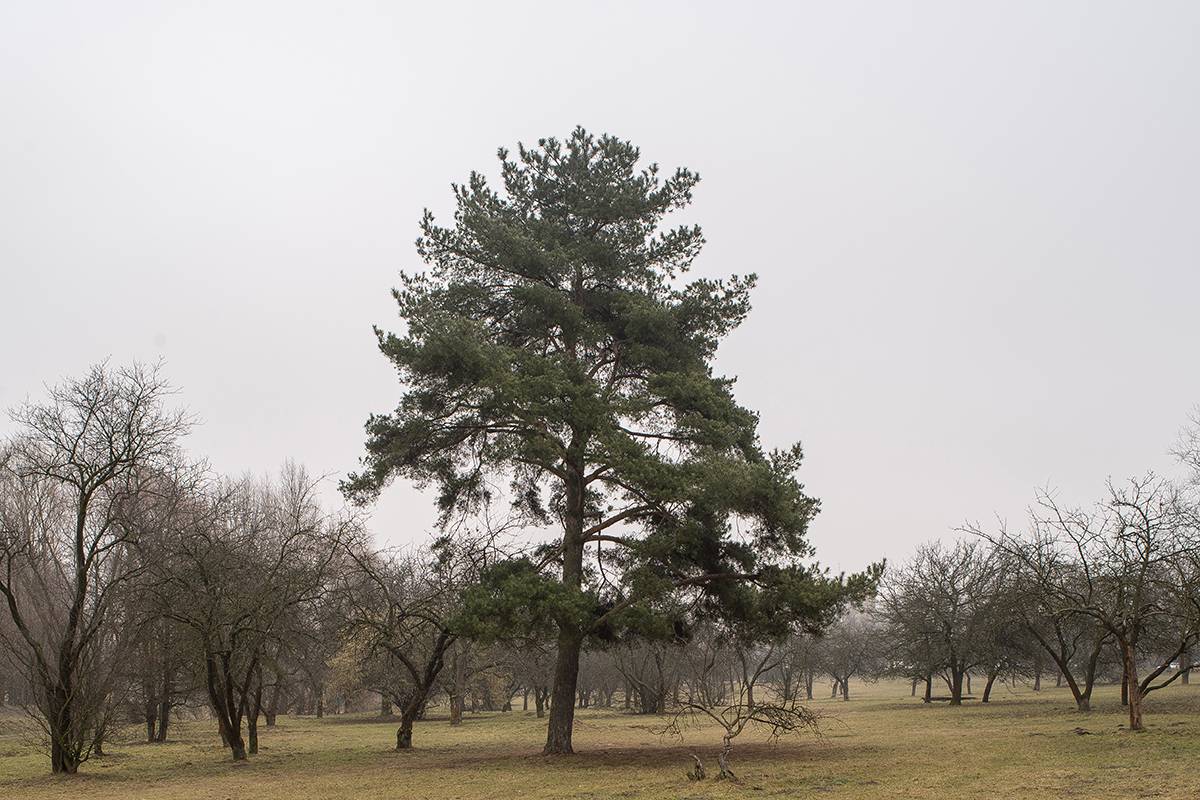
(882, 744)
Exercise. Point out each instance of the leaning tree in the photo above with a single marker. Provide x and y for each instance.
(553, 345)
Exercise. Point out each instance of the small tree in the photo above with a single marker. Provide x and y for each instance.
(742, 711)
(799, 663)
(233, 571)
(404, 607)
(944, 605)
(852, 647)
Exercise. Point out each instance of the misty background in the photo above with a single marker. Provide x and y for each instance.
(974, 225)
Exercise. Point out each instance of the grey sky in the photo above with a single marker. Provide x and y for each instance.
(975, 225)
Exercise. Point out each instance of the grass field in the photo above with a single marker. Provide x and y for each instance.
(881, 744)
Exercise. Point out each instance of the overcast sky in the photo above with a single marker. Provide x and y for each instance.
(975, 225)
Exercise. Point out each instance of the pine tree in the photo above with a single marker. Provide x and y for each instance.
(554, 344)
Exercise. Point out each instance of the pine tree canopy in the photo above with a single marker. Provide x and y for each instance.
(556, 346)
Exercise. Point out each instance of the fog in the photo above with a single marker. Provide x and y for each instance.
(974, 228)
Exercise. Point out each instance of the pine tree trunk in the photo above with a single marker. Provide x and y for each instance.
(562, 707)
(570, 640)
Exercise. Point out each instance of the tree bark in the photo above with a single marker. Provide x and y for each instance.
(1133, 690)
(570, 639)
(405, 732)
(987, 689)
(272, 707)
(255, 711)
(562, 706)
(956, 686)
(98, 740)
(164, 720)
(225, 706)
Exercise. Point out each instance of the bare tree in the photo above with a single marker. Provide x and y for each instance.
(741, 712)
(1074, 641)
(798, 667)
(943, 604)
(650, 668)
(851, 647)
(532, 663)
(404, 607)
(1129, 564)
(70, 476)
(241, 561)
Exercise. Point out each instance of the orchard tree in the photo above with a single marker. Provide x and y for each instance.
(240, 562)
(402, 606)
(1130, 565)
(1075, 641)
(852, 647)
(554, 345)
(947, 603)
